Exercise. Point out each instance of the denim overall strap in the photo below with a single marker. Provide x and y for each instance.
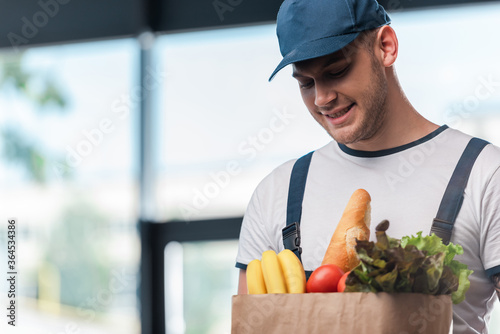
(453, 196)
(291, 232)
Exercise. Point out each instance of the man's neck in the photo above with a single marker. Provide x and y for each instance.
(390, 135)
(401, 125)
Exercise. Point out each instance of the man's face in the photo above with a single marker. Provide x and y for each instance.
(345, 93)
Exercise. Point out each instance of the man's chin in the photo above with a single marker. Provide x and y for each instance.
(344, 137)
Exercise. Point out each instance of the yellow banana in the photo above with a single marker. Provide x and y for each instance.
(295, 276)
(273, 274)
(255, 279)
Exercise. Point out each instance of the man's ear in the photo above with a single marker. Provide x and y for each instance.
(387, 45)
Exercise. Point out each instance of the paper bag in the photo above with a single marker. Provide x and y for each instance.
(353, 312)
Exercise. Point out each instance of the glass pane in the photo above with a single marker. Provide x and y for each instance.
(67, 171)
(200, 279)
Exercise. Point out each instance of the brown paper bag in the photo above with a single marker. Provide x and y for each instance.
(354, 312)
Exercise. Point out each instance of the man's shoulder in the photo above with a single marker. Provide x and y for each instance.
(491, 151)
(455, 137)
(280, 176)
(487, 163)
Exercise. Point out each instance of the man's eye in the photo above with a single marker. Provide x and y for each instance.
(306, 84)
(339, 73)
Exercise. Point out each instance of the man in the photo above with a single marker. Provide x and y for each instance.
(342, 53)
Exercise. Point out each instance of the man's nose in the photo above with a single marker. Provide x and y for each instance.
(325, 94)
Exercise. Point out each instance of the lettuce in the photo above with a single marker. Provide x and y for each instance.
(420, 264)
(432, 245)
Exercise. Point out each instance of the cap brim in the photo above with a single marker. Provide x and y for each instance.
(314, 49)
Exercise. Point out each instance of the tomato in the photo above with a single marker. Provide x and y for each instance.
(341, 284)
(324, 279)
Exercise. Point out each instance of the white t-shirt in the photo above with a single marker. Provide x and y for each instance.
(406, 185)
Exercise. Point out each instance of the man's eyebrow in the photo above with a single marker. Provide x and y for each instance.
(297, 75)
(334, 59)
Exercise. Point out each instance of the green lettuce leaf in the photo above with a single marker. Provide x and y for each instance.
(460, 271)
(421, 264)
(432, 244)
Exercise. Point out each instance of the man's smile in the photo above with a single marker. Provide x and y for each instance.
(338, 115)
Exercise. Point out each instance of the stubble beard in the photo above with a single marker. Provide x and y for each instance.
(373, 115)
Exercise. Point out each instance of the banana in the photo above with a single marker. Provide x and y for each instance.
(255, 279)
(295, 276)
(273, 274)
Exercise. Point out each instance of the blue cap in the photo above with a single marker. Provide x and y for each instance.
(310, 29)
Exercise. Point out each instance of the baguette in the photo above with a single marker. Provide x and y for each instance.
(354, 224)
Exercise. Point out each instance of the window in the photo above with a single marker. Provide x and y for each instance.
(198, 286)
(68, 173)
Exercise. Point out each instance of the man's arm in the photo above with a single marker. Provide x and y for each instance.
(242, 283)
(496, 282)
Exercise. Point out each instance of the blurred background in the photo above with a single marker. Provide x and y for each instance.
(97, 134)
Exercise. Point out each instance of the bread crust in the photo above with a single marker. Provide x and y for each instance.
(354, 224)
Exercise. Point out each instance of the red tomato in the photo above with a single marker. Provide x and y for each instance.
(341, 284)
(324, 279)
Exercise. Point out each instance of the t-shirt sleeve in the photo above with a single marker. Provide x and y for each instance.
(254, 238)
(490, 230)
